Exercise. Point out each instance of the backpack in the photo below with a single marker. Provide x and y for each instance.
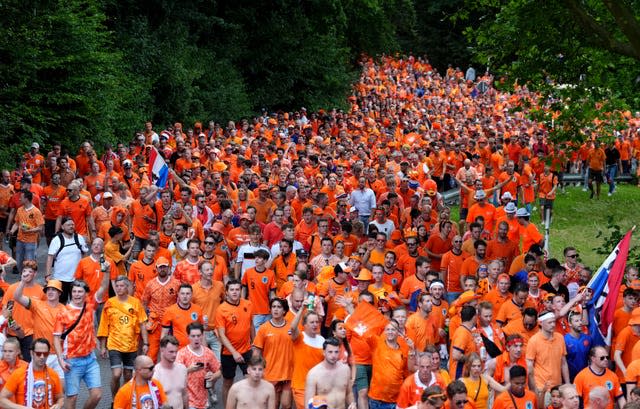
(60, 237)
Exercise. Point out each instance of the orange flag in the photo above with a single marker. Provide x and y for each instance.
(366, 319)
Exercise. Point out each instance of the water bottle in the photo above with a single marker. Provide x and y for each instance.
(483, 353)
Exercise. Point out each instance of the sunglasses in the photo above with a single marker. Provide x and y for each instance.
(603, 358)
(150, 368)
(210, 242)
(461, 402)
(572, 255)
(41, 354)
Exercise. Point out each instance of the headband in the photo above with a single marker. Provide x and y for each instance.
(515, 341)
(547, 316)
(435, 284)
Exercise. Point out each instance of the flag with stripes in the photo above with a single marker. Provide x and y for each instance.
(607, 281)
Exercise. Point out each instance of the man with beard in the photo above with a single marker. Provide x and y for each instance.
(499, 368)
(527, 326)
(331, 378)
(158, 295)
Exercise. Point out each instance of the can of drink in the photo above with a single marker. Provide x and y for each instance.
(312, 301)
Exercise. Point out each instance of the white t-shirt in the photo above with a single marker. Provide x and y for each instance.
(387, 227)
(65, 263)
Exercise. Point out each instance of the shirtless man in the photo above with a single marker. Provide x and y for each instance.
(331, 378)
(252, 392)
(172, 375)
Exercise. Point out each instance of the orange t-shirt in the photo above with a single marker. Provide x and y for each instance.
(157, 297)
(530, 236)
(389, 369)
(547, 356)
(437, 245)
(625, 341)
(143, 219)
(54, 199)
(176, 319)
(44, 318)
(504, 401)
(30, 219)
(20, 314)
(463, 341)
(307, 353)
(187, 272)
(412, 388)
(451, 266)
(277, 349)
(140, 274)
(46, 386)
(78, 210)
(208, 299)
(422, 331)
(587, 380)
(259, 285)
(263, 209)
(123, 398)
(82, 340)
(90, 271)
(236, 321)
(508, 311)
(506, 251)
(596, 159)
(633, 374)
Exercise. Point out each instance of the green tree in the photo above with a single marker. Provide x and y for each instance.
(62, 78)
(582, 56)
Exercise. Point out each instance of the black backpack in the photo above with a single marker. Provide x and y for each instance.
(60, 237)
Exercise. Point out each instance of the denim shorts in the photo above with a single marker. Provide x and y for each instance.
(378, 404)
(85, 368)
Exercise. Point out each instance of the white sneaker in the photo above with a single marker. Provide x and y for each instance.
(584, 189)
(609, 194)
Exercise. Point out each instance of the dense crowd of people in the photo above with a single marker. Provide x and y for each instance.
(314, 253)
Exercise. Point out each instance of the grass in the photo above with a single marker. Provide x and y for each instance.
(578, 219)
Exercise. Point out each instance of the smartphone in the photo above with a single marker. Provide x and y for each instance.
(200, 364)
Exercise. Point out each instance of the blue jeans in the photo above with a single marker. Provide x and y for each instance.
(84, 368)
(213, 342)
(378, 404)
(611, 177)
(365, 221)
(260, 319)
(25, 251)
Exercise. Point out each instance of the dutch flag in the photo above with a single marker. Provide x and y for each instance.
(607, 281)
(159, 170)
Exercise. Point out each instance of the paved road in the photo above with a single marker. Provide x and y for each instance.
(105, 371)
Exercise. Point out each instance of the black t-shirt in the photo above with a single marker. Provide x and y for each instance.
(562, 290)
(613, 156)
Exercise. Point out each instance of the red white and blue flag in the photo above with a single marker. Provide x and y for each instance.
(607, 281)
(159, 170)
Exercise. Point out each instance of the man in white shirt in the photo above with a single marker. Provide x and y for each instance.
(364, 200)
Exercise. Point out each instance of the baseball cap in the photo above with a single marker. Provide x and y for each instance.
(162, 261)
(318, 402)
(107, 195)
(35, 145)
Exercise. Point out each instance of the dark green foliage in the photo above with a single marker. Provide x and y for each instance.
(97, 69)
(610, 239)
